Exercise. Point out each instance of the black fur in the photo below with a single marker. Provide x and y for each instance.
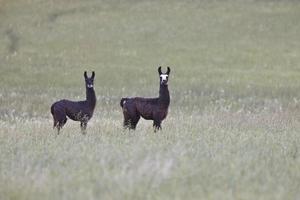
(155, 109)
(76, 110)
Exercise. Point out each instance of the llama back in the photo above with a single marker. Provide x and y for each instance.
(58, 105)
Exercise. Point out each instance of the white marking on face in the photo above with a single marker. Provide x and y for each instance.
(90, 85)
(164, 77)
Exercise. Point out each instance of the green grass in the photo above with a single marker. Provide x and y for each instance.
(232, 129)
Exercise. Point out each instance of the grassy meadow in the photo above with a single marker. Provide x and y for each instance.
(233, 126)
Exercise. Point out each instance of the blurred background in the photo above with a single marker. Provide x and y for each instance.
(239, 54)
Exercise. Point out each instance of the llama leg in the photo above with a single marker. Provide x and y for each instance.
(83, 126)
(134, 122)
(58, 129)
(130, 119)
(60, 124)
(156, 125)
(63, 122)
(56, 126)
(55, 122)
(131, 123)
(126, 118)
(126, 123)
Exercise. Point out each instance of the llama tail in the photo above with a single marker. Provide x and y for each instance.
(123, 101)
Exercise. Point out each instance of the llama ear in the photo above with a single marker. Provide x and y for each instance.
(85, 76)
(93, 74)
(159, 70)
(169, 70)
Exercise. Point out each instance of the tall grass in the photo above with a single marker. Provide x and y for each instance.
(232, 129)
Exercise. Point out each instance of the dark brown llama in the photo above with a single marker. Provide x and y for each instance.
(155, 109)
(76, 110)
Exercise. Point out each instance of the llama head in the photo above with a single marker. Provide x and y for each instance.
(89, 81)
(164, 77)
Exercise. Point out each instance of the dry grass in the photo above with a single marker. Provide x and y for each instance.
(232, 129)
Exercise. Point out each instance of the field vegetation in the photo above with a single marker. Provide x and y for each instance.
(233, 126)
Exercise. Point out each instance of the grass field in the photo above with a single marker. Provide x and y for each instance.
(233, 126)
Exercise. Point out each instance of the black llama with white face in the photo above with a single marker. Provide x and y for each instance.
(76, 110)
(155, 109)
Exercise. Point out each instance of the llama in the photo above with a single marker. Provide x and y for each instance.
(76, 110)
(155, 109)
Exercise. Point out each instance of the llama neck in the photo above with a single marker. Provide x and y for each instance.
(91, 97)
(164, 95)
